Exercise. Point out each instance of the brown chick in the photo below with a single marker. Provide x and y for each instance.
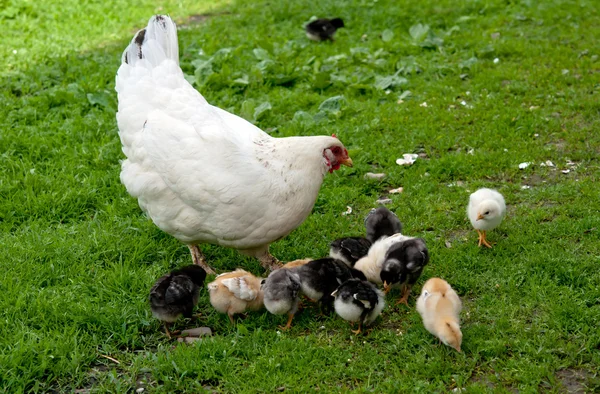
(296, 263)
(439, 306)
(236, 292)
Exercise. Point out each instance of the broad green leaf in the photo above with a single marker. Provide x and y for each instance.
(261, 54)
(418, 31)
(261, 109)
(332, 104)
(387, 35)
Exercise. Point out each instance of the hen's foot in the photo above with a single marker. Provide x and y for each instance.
(198, 259)
(270, 263)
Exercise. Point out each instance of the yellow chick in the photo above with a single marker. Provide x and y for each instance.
(236, 292)
(439, 307)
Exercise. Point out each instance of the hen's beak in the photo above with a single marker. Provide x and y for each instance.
(479, 216)
(346, 162)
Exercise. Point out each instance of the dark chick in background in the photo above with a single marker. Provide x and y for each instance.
(176, 294)
(323, 29)
(379, 223)
(281, 293)
(358, 300)
(403, 265)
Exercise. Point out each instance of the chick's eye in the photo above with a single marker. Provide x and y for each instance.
(486, 213)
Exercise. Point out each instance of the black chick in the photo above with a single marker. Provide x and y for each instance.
(358, 300)
(323, 29)
(176, 294)
(350, 249)
(403, 265)
(381, 222)
(319, 278)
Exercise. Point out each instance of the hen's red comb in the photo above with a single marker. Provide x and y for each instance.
(333, 135)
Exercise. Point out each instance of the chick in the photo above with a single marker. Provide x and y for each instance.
(295, 263)
(176, 294)
(350, 249)
(319, 278)
(439, 307)
(381, 222)
(358, 300)
(371, 264)
(236, 292)
(403, 265)
(281, 292)
(323, 29)
(485, 211)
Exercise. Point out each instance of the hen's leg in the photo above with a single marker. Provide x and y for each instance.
(269, 262)
(198, 259)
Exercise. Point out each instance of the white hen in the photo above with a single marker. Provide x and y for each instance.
(202, 174)
(485, 211)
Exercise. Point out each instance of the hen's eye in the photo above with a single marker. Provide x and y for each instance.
(336, 150)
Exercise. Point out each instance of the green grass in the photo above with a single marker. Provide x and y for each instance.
(78, 257)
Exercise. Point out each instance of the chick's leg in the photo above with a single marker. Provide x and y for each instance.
(484, 241)
(198, 259)
(359, 329)
(405, 293)
(289, 322)
(231, 317)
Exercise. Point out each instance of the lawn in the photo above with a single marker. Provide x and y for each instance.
(475, 88)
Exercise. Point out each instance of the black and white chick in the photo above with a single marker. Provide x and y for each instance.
(349, 249)
(323, 29)
(319, 278)
(281, 293)
(358, 301)
(176, 294)
(379, 223)
(403, 265)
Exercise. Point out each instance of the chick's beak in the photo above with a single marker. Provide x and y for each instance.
(346, 162)
(479, 216)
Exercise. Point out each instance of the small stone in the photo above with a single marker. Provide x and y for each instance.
(524, 165)
(197, 332)
(448, 244)
(525, 187)
(495, 36)
(384, 201)
(140, 390)
(396, 190)
(566, 171)
(496, 61)
(372, 175)
(423, 104)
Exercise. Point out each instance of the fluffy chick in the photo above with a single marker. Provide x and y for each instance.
(381, 222)
(358, 300)
(371, 264)
(439, 307)
(176, 294)
(319, 278)
(403, 265)
(349, 250)
(295, 263)
(323, 29)
(281, 292)
(485, 211)
(236, 292)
